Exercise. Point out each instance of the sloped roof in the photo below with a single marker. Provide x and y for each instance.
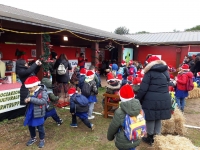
(19, 15)
(167, 38)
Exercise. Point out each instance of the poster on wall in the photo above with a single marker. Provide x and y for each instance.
(10, 100)
(74, 63)
(87, 65)
(10, 65)
(128, 54)
(192, 53)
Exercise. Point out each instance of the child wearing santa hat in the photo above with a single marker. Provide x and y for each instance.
(36, 109)
(181, 92)
(132, 68)
(120, 78)
(131, 106)
(93, 92)
(79, 107)
(81, 79)
(113, 86)
(123, 70)
(137, 81)
(75, 77)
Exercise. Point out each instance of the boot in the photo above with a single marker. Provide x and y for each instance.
(149, 139)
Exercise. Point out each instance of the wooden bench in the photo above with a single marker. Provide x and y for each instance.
(110, 104)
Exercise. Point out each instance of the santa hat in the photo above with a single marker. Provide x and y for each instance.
(110, 76)
(83, 71)
(198, 74)
(140, 73)
(130, 62)
(31, 82)
(110, 66)
(185, 67)
(171, 76)
(119, 77)
(126, 93)
(152, 58)
(123, 63)
(90, 73)
(137, 81)
(130, 78)
(71, 91)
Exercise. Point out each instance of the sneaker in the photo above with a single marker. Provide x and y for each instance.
(31, 141)
(92, 127)
(41, 144)
(60, 122)
(91, 117)
(73, 125)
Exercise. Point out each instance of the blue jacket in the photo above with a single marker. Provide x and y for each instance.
(81, 81)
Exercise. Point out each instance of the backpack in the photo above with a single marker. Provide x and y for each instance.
(135, 127)
(61, 69)
(121, 70)
(189, 84)
(81, 103)
(86, 89)
(131, 71)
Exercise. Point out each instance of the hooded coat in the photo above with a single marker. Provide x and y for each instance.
(132, 108)
(154, 93)
(182, 79)
(23, 73)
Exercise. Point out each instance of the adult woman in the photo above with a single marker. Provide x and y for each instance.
(62, 79)
(154, 96)
(53, 71)
(81, 61)
(24, 71)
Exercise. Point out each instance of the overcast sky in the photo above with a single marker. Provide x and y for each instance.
(137, 15)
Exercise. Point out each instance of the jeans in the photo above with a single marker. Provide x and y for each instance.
(52, 113)
(153, 127)
(91, 107)
(84, 120)
(181, 103)
(40, 130)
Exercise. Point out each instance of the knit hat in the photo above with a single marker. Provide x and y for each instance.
(126, 93)
(152, 58)
(71, 91)
(123, 63)
(47, 82)
(53, 55)
(31, 82)
(83, 71)
(110, 76)
(119, 77)
(185, 67)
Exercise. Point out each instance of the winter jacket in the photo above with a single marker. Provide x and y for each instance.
(182, 79)
(52, 99)
(154, 93)
(81, 81)
(23, 73)
(39, 109)
(197, 67)
(94, 90)
(111, 89)
(62, 78)
(132, 108)
(78, 104)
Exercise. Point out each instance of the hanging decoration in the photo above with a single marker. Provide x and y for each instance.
(45, 58)
(109, 46)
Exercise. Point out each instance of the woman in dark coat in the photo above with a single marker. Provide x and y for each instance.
(154, 96)
(62, 79)
(24, 71)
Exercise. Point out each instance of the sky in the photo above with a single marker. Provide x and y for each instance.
(137, 15)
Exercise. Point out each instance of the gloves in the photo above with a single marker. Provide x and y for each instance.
(38, 62)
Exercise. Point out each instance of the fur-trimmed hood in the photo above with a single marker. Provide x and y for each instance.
(157, 65)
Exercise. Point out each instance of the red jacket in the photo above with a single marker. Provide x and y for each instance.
(182, 79)
(81, 61)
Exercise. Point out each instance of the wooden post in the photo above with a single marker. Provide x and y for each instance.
(39, 52)
(120, 54)
(95, 54)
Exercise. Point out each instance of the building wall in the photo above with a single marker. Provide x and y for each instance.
(168, 53)
(8, 51)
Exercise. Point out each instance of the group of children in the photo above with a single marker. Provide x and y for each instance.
(41, 99)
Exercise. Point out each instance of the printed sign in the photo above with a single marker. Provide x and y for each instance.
(10, 65)
(9, 100)
(127, 54)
